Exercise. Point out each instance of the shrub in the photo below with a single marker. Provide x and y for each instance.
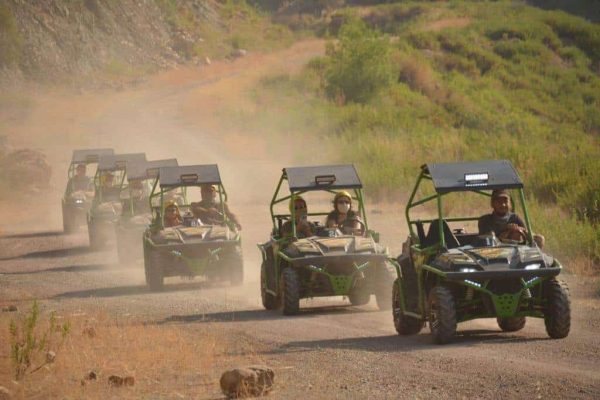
(31, 344)
(359, 66)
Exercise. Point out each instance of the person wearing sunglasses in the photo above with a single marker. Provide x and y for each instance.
(304, 228)
(343, 217)
(209, 208)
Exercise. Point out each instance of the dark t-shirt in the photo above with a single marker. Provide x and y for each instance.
(493, 223)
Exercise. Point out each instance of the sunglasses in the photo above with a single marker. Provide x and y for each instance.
(299, 207)
(343, 201)
(171, 210)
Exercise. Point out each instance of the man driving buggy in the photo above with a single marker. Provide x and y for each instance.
(505, 224)
(80, 182)
(209, 208)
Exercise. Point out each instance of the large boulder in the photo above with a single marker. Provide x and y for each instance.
(252, 381)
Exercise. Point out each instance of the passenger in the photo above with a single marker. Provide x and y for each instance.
(107, 186)
(304, 228)
(80, 182)
(138, 196)
(209, 208)
(172, 215)
(343, 216)
(502, 221)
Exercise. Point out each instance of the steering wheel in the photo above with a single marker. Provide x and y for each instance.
(508, 236)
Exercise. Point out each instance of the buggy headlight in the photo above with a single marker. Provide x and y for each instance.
(468, 269)
(78, 201)
(533, 266)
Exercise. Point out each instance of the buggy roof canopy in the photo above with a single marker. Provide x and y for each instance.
(189, 175)
(323, 177)
(120, 161)
(148, 169)
(87, 156)
(478, 175)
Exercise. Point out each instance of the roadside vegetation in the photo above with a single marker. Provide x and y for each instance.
(405, 84)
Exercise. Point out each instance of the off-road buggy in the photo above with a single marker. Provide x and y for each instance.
(193, 248)
(77, 199)
(447, 276)
(330, 263)
(110, 181)
(136, 214)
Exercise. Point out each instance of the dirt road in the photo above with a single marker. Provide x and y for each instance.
(330, 350)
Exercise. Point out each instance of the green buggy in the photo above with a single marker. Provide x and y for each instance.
(110, 181)
(447, 276)
(192, 248)
(136, 215)
(79, 192)
(330, 263)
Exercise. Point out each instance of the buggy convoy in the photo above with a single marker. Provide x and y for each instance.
(449, 275)
(76, 202)
(330, 263)
(136, 215)
(190, 249)
(109, 181)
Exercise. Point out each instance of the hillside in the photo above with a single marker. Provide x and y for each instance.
(75, 41)
(418, 82)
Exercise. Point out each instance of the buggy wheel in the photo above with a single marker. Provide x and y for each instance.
(97, 239)
(234, 264)
(511, 324)
(359, 297)
(290, 291)
(404, 324)
(153, 270)
(68, 224)
(384, 279)
(442, 314)
(268, 300)
(557, 316)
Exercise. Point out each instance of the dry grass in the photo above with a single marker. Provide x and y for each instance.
(167, 361)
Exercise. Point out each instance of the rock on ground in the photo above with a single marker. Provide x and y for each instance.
(249, 381)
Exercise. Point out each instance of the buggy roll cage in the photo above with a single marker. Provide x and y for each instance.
(444, 184)
(144, 173)
(325, 180)
(86, 157)
(114, 163)
(185, 180)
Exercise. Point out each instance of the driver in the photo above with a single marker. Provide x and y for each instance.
(502, 222)
(109, 190)
(304, 228)
(209, 209)
(80, 182)
(172, 215)
(343, 216)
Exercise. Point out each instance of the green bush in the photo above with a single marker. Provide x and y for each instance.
(359, 66)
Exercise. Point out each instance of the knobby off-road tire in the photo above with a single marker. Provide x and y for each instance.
(442, 314)
(557, 316)
(511, 324)
(404, 324)
(384, 280)
(268, 300)
(290, 291)
(153, 261)
(68, 225)
(359, 297)
(97, 237)
(234, 265)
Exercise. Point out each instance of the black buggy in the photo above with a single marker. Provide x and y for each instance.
(76, 202)
(448, 275)
(110, 181)
(330, 263)
(136, 214)
(193, 248)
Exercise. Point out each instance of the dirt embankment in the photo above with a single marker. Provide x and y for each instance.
(63, 40)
